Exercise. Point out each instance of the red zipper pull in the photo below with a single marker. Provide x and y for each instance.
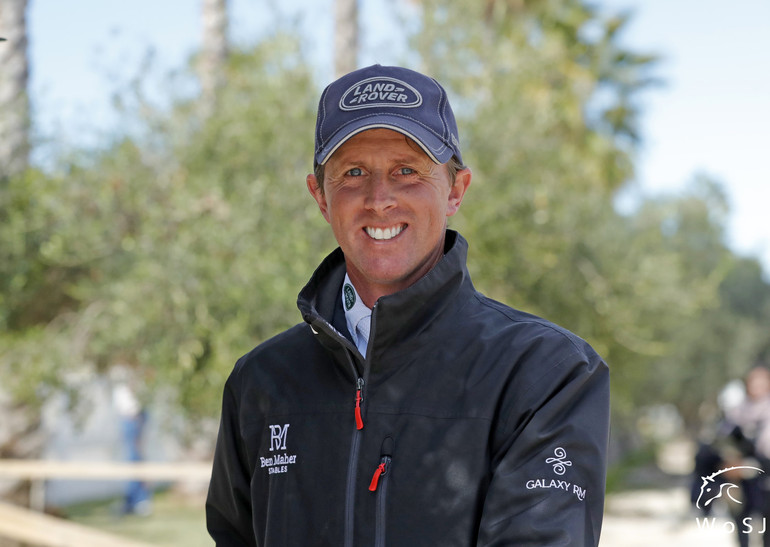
(376, 478)
(386, 456)
(359, 419)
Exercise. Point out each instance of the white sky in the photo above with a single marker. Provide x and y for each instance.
(712, 117)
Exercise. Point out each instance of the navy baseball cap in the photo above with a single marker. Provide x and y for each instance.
(387, 97)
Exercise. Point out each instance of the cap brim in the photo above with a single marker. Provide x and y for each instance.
(433, 146)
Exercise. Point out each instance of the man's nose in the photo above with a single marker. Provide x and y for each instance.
(381, 195)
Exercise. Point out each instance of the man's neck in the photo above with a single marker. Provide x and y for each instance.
(370, 292)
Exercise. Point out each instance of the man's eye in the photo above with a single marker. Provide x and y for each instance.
(355, 172)
(407, 171)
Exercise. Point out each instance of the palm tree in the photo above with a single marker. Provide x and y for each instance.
(213, 54)
(345, 36)
(14, 104)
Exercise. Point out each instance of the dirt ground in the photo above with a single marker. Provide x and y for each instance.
(664, 518)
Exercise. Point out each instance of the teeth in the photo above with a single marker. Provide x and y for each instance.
(387, 233)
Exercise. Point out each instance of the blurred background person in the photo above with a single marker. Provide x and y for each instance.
(133, 418)
(750, 432)
(741, 439)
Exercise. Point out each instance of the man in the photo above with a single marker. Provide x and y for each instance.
(408, 409)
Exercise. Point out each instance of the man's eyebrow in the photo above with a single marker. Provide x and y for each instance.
(409, 159)
(353, 160)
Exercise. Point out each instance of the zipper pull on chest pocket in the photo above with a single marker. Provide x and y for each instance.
(386, 459)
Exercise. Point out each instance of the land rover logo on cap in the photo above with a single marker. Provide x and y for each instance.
(350, 296)
(378, 92)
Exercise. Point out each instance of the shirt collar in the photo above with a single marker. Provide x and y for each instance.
(402, 317)
(355, 309)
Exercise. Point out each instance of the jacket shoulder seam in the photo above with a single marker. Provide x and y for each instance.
(507, 312)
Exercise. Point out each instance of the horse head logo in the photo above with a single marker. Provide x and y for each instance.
(711, 489)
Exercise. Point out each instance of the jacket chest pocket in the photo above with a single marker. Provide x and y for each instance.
(379, 485)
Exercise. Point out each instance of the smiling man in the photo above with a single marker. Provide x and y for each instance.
(407, 409)
(387, 203)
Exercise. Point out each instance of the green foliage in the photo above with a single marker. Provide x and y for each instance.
(40, 314)
(174, 252)
(724, 334)
(229, 232)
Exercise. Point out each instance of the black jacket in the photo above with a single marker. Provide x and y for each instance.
(469, 423)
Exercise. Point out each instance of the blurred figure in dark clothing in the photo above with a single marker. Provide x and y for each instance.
(742, 440)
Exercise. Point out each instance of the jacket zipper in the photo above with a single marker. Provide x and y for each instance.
(379, 484)
(350, 497)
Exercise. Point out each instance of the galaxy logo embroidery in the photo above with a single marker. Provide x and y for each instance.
(559, 461)
(559, 464)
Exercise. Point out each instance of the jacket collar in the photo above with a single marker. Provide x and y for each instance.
(398, 318)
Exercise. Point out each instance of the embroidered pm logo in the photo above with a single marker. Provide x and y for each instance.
(380, 91)
(278, 463)
(278, 437)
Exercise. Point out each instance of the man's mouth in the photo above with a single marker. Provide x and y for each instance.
(385, 233)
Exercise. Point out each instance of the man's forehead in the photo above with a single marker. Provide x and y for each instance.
(379, 138)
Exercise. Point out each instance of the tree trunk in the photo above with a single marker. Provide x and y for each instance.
(345, 36)
(213, 55)
(14, 103)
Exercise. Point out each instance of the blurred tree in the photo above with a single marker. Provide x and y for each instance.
(207, 230)
(32, 295)
(745, 291)
(345, 36)
(213, 53)
(726, 334)
(173, 251)
(19, 428)
(14, 103)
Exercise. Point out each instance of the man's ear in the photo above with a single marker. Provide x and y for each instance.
(457, 191)
(318, 194)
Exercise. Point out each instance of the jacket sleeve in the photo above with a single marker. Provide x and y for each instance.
(228, 505)
(549, 461)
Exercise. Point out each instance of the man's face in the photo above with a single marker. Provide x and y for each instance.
(387, 204)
